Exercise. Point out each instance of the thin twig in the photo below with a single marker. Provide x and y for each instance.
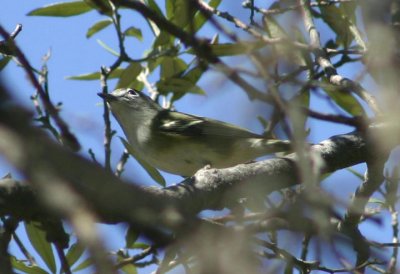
(137, 257)
(248, 5)
(392, 186)
(8, 228)
(305, 246)
(249, 29)
(201, 47)
(108, 133)
(121, 163)
(67, 137)
(23, 249)
(357, 122)
(64, 262)
(324, 61)
(349, 224)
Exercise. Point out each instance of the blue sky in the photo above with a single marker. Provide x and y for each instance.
(73, 54)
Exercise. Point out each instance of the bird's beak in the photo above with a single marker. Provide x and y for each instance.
(106, 96)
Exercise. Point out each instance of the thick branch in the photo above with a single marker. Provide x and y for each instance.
(206, 190)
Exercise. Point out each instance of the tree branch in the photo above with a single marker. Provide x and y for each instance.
(66, 136)
(324, 61)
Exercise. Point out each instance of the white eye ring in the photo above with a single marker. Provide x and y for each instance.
(133, 92)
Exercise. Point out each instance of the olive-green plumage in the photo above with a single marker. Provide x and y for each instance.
(180, 143)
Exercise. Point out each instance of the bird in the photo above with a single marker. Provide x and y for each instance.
(181, 143)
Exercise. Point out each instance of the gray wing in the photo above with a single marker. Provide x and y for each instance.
(189, 125)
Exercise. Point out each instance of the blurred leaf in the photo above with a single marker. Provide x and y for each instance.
(302, 57)
(64, 9)
(20, 265)
(7, 48)
(153, 172)
(85, 264)
(230, 49)
(96, 75)
(302, 98)
(4, 61)
(172, 66)
(178, 85)
(131, 237)
(341, 19)
(74, 253)
(284, 50)
(264, 123)
(128, 268)
(376, 201)
(164, 40)
(134, 32)
(107, 48)
(153, 5)
(98, 26)
(343, 99)
(349, 10)
(200, 19)
(195, 73)
(129, 75)
(140, 245)
(273, 28)
(179, 12)
(37, 237)
(356, 173)
(102, 6)
(152, 64)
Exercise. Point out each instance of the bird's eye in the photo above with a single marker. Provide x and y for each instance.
(133, 92)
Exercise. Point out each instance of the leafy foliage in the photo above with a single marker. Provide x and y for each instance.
(287, 56)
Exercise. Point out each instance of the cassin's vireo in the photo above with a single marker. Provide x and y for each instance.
(180, 143)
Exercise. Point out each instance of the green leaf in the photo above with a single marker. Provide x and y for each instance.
(230, 49)
(153, 5)
(20, 265)
(7, 48)
(154, 173)
(356, 173)
(74, 253)
(178, 85)
(376, 201)
(134, 32)
(302, 98)
(85, 264)
(195, 73)
(4, 61)
(96, 75)
(129, 75)
(128, 268)
(180, 12)
(200, 19)
(98, 26)
(163, 41)
(130, 237)
(38, 240)
(64, 9)
(342, 20)
(284, 50)
(343, 98)
(102, 6)
(172, 67)
(139, 245)
(107, 48)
